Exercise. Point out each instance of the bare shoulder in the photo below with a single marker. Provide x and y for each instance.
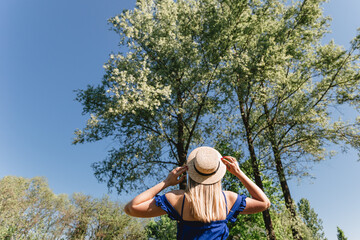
(231, 197)
(174, 196)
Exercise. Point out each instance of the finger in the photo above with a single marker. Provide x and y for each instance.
(180, 168)
(227, 157)
(224, 161)
(181, 171)
(181, 179)
(230, 158)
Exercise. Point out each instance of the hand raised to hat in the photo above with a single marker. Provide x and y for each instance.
(173, 177)
(231, 165)
(259, 201)
(144, 204)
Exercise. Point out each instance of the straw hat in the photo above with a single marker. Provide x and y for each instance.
(205, 165)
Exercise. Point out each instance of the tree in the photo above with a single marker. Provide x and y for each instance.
(340, 234)
(30, 210)
(310, 218)
(162, 229)
(159, 97)
(285, 80)
(154, 98)
(102, 219)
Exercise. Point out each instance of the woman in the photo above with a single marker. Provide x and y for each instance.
(203, 209)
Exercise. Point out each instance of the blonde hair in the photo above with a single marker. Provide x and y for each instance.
(206, 201)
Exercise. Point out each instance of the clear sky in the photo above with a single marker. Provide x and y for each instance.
(50, 48)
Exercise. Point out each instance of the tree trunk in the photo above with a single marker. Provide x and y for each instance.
(182, 157)
(258, 181)
(266, 214)
(282, 178)
(180, 147)
(286, 192)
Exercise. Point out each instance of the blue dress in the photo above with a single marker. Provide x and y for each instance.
(188, 230)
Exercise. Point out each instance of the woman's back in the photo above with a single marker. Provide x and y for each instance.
(177, 207)
(176, 197)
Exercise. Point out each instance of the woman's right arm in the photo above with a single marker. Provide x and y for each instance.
(259, 201)
(143, 205)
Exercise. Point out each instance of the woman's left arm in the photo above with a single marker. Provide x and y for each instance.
(143, 205)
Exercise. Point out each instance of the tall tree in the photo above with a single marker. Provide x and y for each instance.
(154, 98)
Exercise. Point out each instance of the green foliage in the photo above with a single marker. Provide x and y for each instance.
(310, 218)
(188, 60)
(248, 227)
(340, 234)
(285, 82)
(102, 219)
(30, 210)
(153, 99)
(284, 224)
(162, 228)
(185, 57)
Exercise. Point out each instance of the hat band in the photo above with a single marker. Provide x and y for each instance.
(207, 174)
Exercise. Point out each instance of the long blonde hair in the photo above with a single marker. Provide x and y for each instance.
(207, 202)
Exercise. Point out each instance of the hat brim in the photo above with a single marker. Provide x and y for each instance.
(194, 175)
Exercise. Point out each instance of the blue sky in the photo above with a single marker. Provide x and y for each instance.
(50, 48)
